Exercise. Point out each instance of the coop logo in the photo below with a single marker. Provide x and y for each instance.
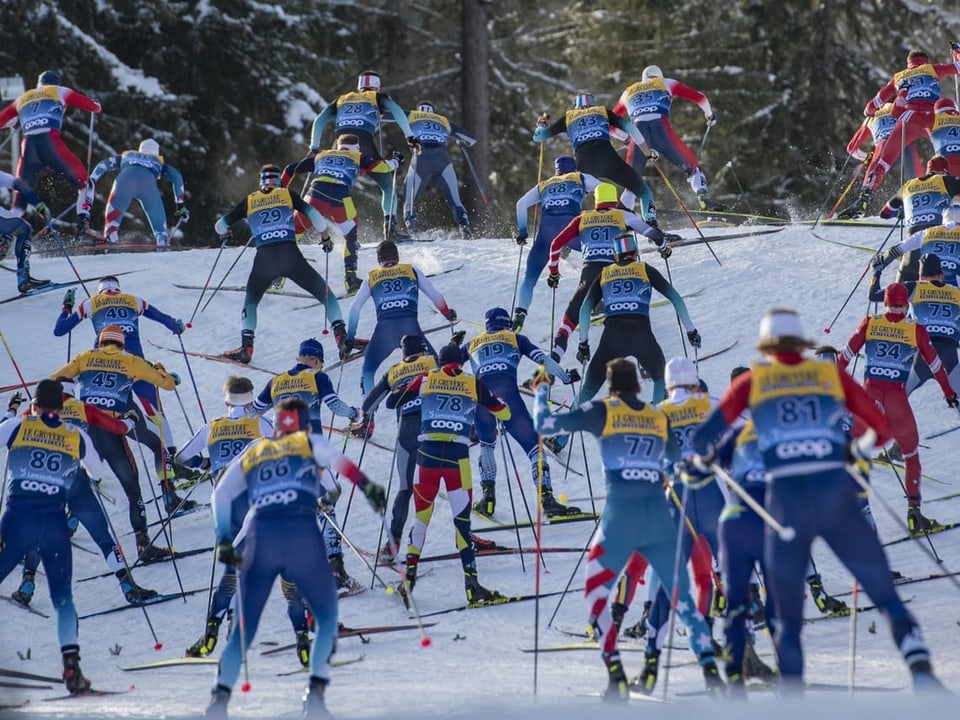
(37, 123)
(640, 474)
(949, 149)
(39, 487)
(281, 497)
(621, 306)
(446, 425)
(804, 448)
(274, 235)
(495, 367)
(940, 330)
(884, 372)
(555, 203)
(351, 122)
(394, 304)
(101, 401)
(591, 135)
(925, 219)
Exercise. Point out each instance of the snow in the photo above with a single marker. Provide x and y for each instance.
(474, 666)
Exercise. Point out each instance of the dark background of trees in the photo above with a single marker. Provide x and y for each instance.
(241, 84)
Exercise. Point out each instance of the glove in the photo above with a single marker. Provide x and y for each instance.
(181, 327)
(540, 134)
(176, 378)
(858, 154)
(712, 119)
(893, 208)
(703, 462)
(413, 143)
(573, 375)
(540, 377)
(521, 237)
(691, 475)
(14, 403)
(326, 244)
(226, 237)
(653, 155)
(953, 401)
(346, 347)
(583, 352)
(457, 337)
(69, 299)
(694, 337)
(398, 156)
(363, 428)
(182, 214)
(42, 212)
(878, 262)
(228, 554)
(131, 414)
(542, 120)
(451, 315)
(665, 251)
(553, 279)
(375, 494)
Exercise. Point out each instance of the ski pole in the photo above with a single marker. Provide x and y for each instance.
(683, 339)
(23, 383)
(847, 189)
(832, 188)
(193, 382)
(503, 443)
(523, 496)
(676, 196)
(786, 534)
(573, 574)
(829, 327)
(242, 629)
(675, 589)
(63, 249)
(852, 661)
(703, 142)
(936, 555)
(583, 445)
(353, 486)
(326, 281)
(411, 604)
(183, 411)
(206, 283)
(473, 172)
(343, 536)
(383, 525)
(225, 275)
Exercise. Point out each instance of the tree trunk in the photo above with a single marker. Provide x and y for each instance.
(475, 88)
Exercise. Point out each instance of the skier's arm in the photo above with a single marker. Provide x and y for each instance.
(172, 324)
(317, 220)
(590, 300)
(635, 222)
(295, 168)
(733, 402)
(558, 126)
(316, 132)
(353, 319)
(875, 289)
(528, 200)
(71, 98)
(568, 233)
(143, 370)
(330, 398)
(428, 289)
(264, 400)
(385, 102)
(663, 286)
(9, 115)
(231, 486)
(630, 129)
(463, 136)
(589, 417)
(854, 344)
(376, 395)
(90, 457)
(526, 347)
(239, 212)
(173, 176)
(685, 92)
(884, 95)
(104, 166)
(497, 407)
(189, 453)
(107, 421)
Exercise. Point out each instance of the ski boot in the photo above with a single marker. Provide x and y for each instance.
(919, 524)
(31, 283)
(647, 679)
(149, 552)
(172, 503)
(405, 589)
(552, 508)
(617, 690)
(208, 641)
(486, 505)
(244, 353)
(303, 647)
(134, 594)
(858, 208)
(556, 443)
(83, 226)
(386, 556)
(711, 676)
(709, 205)
(640, 629)
(755, 669)
(345, 583)
(476, 593)
(217, 709)
(519, 317)
(393, 231)
(923, 678)
(617, 611)
(339, 331)
(351, 282)
(24, 594)
(718, 601)
(736, 689)
(480, 543)
(824, 602)
(314, 707)
(73, 678)
(466, 232)
(559, 346)
(891, 454)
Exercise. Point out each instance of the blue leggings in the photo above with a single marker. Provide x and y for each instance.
(519, 427)
(550, 227)
(384, 340)
(138, 184)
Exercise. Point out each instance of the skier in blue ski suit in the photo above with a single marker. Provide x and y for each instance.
(16, 231)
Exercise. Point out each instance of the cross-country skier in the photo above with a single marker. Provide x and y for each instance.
(647, 105)
(44, 455)
(269, 213)
(945, 134)
(588, 127)
(281, 479)
(558, 200)
(878, 129)
(920, 83)
(624, 288)
(333, 173)
(890, 342)
(796, 403)
(635, 440)
(358, 113)
(395, 288)
(16, 231)
(140, 172)
(943, 240)
(41, 112)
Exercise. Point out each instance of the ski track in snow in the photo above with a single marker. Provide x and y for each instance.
(474, 664)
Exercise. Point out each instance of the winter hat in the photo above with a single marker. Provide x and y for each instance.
(311, 348)
(412, 345)
(565, 164)
(781, 327)
(48, 77)
(680, 372)
(937, 165)
(450, 354)
(497, 318)
(650, 72)
(623, 244)
(425, 106)
(49, 395)
(387, 252)
(149, 146)
(945, 104)
(896, 295)
(622, 376)
(113, 334)
(108, 283)
(368, 80)
(604, 193)
(737, 372)
(930, 265)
